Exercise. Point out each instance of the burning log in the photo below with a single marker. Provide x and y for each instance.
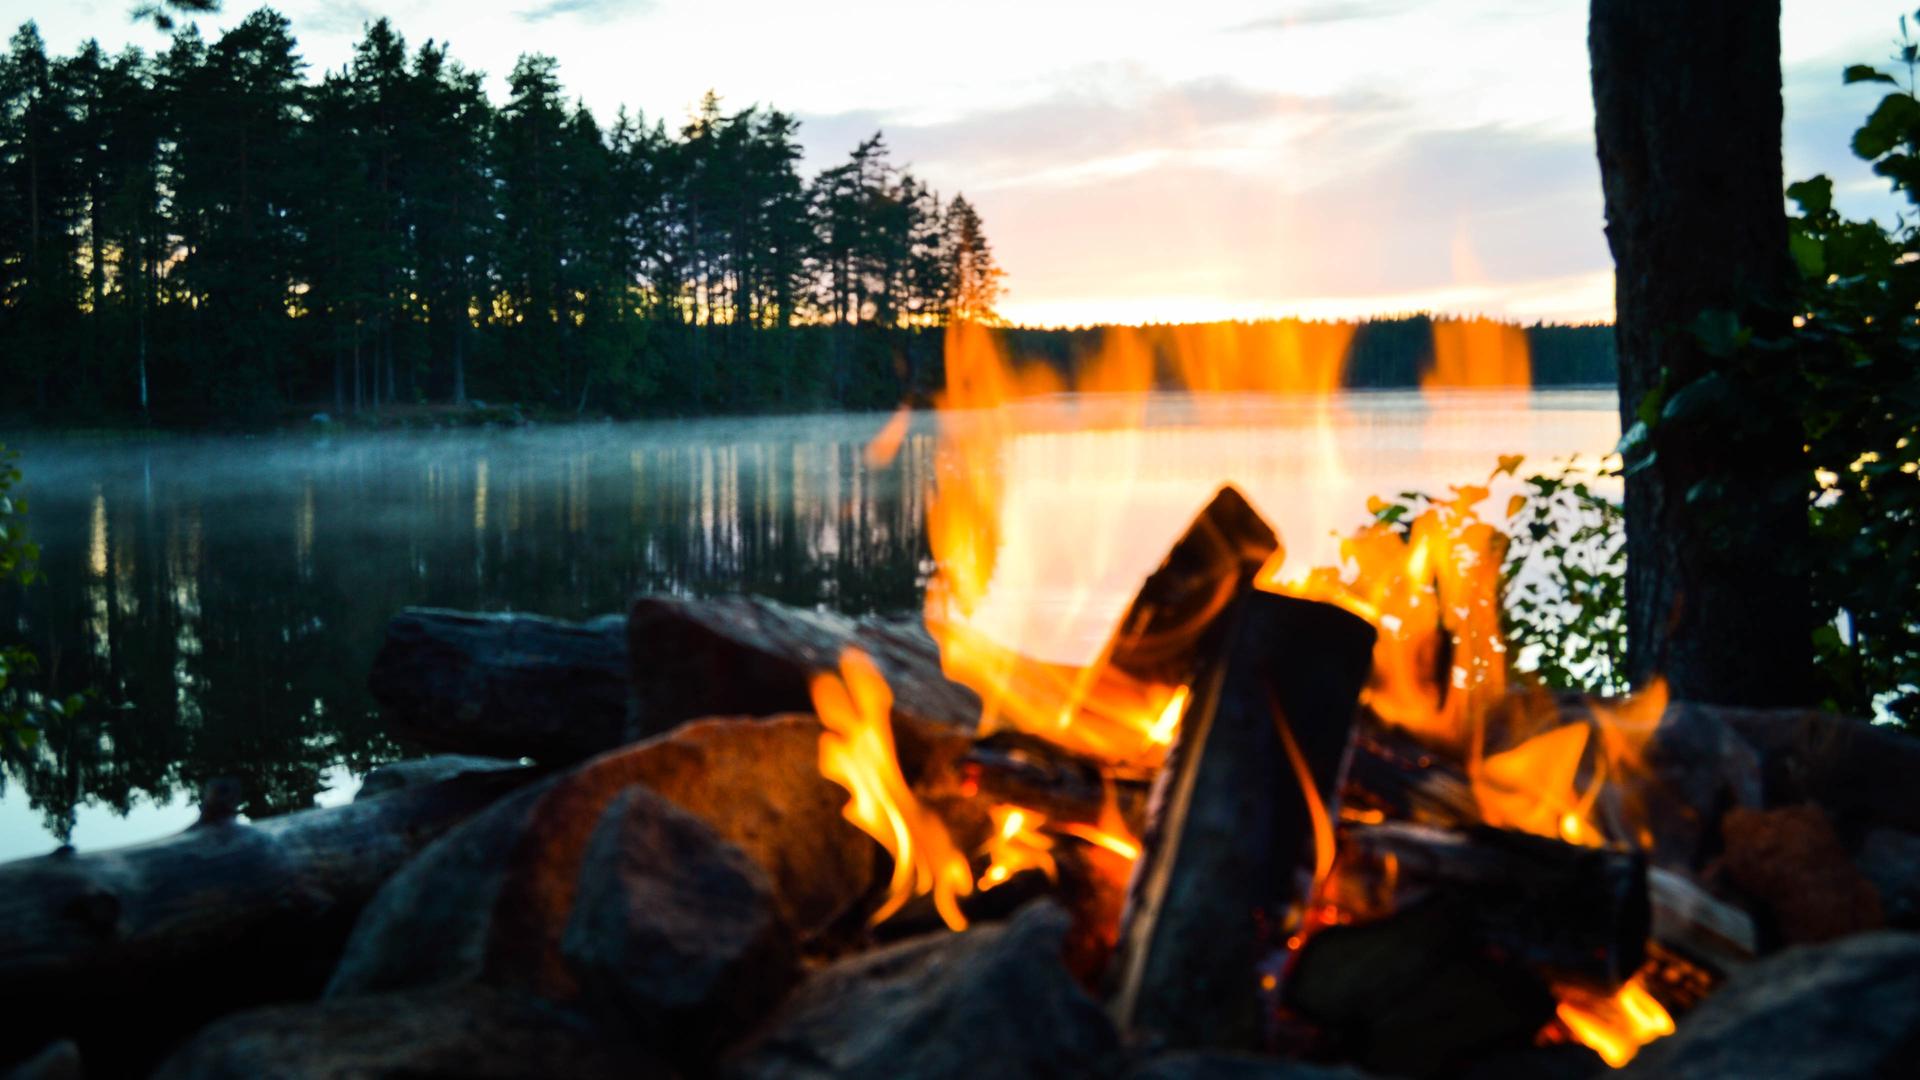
(1574, 914)
(747, 656)
(1238, 810)
(256, 912)
(1180, 610)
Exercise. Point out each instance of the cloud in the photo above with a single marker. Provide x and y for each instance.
(590, 9)
(1326, 12)
(1096, 124)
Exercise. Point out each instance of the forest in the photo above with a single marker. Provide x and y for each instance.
(210, 237)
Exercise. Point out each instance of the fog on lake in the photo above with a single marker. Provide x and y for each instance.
(222, 597)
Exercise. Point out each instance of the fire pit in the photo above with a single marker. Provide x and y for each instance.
(1279, 817)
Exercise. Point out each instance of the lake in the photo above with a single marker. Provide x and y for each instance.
(223, 597)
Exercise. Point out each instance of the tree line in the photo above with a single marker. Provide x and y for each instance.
(206, 234)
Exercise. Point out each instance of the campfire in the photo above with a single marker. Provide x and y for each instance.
(1497, 842)
(1309, 813)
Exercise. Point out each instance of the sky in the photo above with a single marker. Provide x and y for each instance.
(1152, 161)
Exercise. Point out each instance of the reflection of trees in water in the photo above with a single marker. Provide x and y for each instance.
(227, 612)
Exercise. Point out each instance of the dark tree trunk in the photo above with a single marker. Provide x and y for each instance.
(1687, 117)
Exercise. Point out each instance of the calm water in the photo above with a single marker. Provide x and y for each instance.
(224, 596)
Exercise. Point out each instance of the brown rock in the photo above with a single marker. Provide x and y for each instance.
(489, 901)
(1792, 861)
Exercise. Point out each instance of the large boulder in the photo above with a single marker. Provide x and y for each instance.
(1815, 1012)
(490, 900)
(994, 999)
(674, 932)
(466, 1032)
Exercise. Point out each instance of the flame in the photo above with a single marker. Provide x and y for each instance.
(974, 521)
(1478, 353)
(1018, 843)
(1536, 787)
(886, 444)
(1310, 791)
(1616, 1027)
(1433, 594)
(857, 752)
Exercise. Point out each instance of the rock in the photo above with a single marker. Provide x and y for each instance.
(465, 1032)
(994, 1000)
(1816, 1012)
(1560, 1061)
(1891, 860)
(59, 1061)
(675, 930)
(504, 685)
(1860, 773)
(428, 770)
(758, 783)
(1216, 1066)
(490, 900)
(1792, 862)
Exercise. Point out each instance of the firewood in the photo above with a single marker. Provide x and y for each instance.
(1178, 611)
(1574, 914)
(1706, 931)
(1415, 993)
(1231, 825)
(246, 913)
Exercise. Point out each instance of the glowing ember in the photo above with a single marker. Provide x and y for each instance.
(856, 752)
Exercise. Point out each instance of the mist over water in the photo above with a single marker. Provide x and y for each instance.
(224, 596)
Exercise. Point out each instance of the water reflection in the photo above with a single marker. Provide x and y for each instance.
(224, 597)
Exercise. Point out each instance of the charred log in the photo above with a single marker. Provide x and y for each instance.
(1415, 993)
(1231, 824)
(1574, 914)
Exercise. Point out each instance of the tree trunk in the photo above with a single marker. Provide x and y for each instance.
(1687, 118)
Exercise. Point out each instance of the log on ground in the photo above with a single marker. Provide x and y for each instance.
(246, 913)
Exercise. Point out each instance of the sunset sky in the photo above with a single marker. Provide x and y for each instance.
(1151, 161)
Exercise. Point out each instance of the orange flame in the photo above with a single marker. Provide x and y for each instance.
(1478, 353)
(886, 444)
(857, 752)
(997, 649)
(1616, 1027)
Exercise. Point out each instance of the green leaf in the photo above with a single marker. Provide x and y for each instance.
(1718, 332)
(1892, 122)
(1814, 194)
(1809, 253)
(1857, 73)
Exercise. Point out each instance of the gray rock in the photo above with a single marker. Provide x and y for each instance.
(991, 1001)
(466, 1032)
(1816, 1012)
(428, 770)
(59, 1061)
(674, 930)
(1891, 860)
(1200, 1065)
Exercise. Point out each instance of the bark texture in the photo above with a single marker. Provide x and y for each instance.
(1687, 118)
